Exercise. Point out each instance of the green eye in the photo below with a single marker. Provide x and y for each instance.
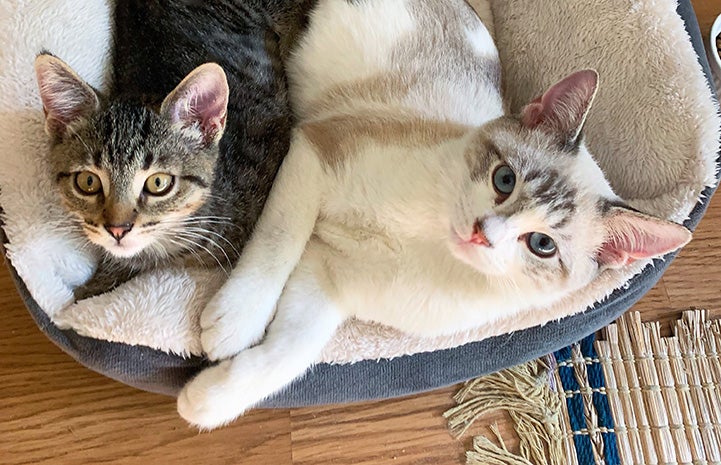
(159, 184)
(504, 181)
(88, 183)
(541, 245)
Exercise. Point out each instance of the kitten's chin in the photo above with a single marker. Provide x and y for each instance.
(121, 251)
(126, 248)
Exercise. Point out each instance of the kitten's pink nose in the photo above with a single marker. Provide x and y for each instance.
(118, 231)
(478, 237)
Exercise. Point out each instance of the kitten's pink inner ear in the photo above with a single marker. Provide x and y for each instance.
(66, 98)
(533, 114)
(634, 236)
(562, 109)
(200, 101)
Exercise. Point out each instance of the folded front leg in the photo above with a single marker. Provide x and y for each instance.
(305, 321)
(238, 314)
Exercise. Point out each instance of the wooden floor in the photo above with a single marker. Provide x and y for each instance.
(56, 412)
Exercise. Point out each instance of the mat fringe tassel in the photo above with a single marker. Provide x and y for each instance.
(535, 409)
(486, 452)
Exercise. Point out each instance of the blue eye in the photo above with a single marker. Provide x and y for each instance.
(541, 245)
(504, 181)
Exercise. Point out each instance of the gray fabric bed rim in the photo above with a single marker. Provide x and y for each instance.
(155, 371)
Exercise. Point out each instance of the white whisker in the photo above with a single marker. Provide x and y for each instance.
(195, 244)
(188, 246)
(203, 230)
(190, 234)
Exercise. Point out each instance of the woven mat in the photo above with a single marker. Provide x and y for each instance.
(630, 397)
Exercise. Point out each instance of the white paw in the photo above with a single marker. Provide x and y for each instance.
(209, 401)
(230, 324)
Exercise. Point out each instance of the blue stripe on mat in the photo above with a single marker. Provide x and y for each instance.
(575, 405)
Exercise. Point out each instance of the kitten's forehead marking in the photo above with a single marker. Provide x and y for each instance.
(149, 159)
(548, 185)
(554, 192)
(130, 136)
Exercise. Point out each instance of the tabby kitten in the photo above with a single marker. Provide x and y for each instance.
(411, 199)
(176, 163)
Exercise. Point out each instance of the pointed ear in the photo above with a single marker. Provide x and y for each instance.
(66, 98)
(200, 103)
(562, 110)
(634, 236)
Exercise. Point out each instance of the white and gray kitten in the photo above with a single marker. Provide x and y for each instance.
(410, 198)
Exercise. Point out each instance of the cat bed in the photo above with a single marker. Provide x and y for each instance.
(654, 130)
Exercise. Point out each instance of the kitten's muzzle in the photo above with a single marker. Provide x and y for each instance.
(119, 231)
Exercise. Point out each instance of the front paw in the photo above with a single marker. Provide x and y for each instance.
(226, 329)
(208, 400)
